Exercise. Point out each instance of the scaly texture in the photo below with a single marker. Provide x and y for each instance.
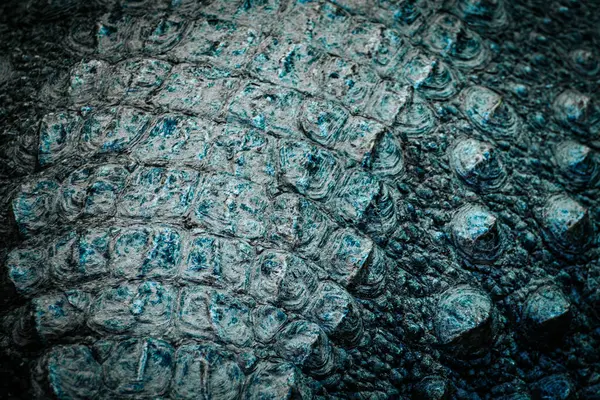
(297, 199)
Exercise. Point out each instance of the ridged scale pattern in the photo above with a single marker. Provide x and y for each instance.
(301, 199)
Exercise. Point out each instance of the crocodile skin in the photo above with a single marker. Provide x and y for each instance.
(298, 199)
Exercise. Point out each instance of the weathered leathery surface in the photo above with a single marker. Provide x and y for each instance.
(296, 199)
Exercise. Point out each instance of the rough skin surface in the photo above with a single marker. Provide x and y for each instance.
(296, 199)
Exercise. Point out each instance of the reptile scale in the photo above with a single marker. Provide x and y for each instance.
(300, 199)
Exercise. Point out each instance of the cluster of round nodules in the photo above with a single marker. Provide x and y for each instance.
(478, 164)
(566, 225)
